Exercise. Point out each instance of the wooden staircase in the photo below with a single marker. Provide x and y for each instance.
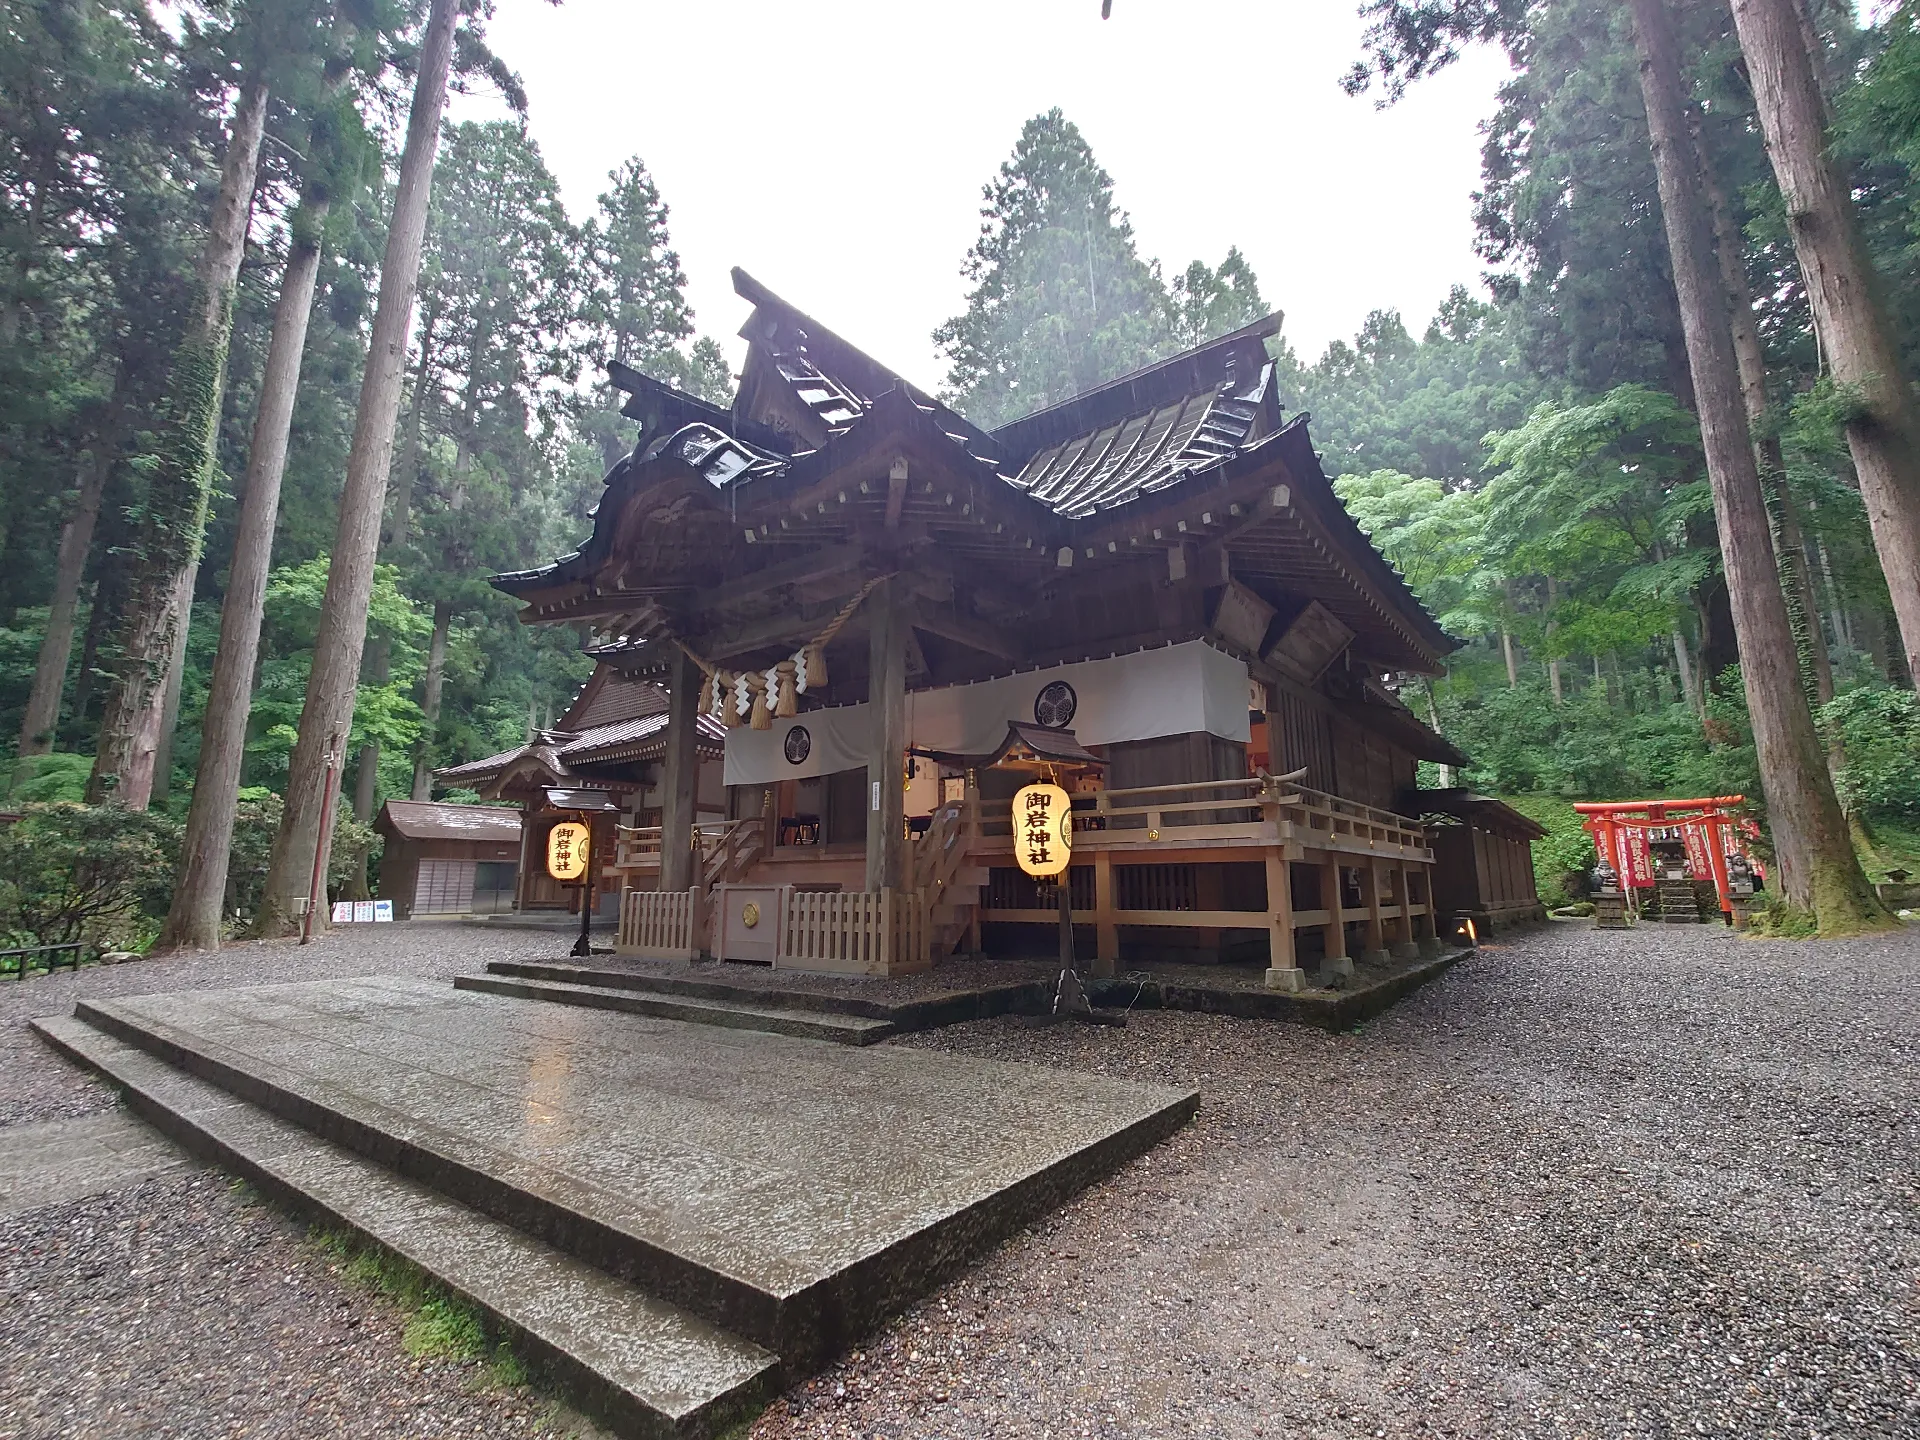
(940, 872)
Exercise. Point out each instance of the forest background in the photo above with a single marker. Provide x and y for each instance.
(1528, 456)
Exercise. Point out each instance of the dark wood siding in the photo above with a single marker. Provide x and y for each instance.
(1301, 733)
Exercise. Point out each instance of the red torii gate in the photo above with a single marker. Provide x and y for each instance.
(1706, 826)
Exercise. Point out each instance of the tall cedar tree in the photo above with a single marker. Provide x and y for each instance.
(1883, 431)
(337, 154)
(270, 41)
(332, 684)
(499, 278)
(1061, 300)
(172, 513)
(98, 146)
(1819, 871)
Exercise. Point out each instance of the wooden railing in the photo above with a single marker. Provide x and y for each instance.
(1251, 811)
(856, 932)
(659, 924)
(937, 854)
(727, 848)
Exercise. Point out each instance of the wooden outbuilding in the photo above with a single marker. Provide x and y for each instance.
(609, 740)
(1483, 860)
(444, 859)
(860, 588)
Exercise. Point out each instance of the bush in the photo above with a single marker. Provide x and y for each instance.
(101, 874)
(49, 779)
(1880, 731)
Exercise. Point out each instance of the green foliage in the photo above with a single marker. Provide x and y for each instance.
(1061, 299)
(386, 713)
(1879, 730)
(101, 874)
(445, 1329)
(50, 779)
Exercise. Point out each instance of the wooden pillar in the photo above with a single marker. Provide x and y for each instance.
(1283, 967)
(1330, 900)
(680, 775)
(520, 875)
(887, 700)
(1376, 944)
(1403, 946)
(1106, 931)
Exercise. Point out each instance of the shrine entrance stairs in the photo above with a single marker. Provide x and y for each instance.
(674, 1219)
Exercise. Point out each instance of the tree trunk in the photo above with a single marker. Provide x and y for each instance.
(327, 719)
(1817, 866)
(42, 720)
(1683, 672)
(1433, 724)
(430, 700)
(377, 663)
(1842, 293)
(1789, 541)
(162, 773)
(173, 515)
(1513, 670)
(1553, 666)
(200, 884)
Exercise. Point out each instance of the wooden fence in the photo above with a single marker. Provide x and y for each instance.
(659, 924)
(856, 932)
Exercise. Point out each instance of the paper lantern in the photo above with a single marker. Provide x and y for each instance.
(568, 845)
(1043, 830)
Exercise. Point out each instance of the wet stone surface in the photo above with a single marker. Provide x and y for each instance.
(775, 1161)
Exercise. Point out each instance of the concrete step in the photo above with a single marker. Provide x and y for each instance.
(639, 1364)
(809, 1025)
(786, 1191)
(763, 990)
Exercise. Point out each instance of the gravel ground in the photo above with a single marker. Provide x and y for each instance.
(177, 1308)
(1587, 1183)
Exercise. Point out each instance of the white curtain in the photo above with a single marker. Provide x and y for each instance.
(1175, 690)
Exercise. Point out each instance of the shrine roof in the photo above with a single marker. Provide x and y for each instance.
(1482, 810)
(616, 718)
(714, 498)
(442, 820)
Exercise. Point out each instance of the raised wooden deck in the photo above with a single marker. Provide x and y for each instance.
(1218, 856)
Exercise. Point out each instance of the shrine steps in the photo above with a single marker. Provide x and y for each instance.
(644, 1366)
(763, 989)
(733, 1015)
(677, 1218)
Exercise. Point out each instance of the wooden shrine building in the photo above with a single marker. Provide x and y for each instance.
(862, 591)
(610, 740)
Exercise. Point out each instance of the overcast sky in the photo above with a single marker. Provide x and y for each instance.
(836, 149)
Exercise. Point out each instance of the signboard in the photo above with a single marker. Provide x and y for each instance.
(343, 912)
(567, 845)
(1043, 830)
(383, 912)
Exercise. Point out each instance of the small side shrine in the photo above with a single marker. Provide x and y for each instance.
(1670, 860)
(858, 592)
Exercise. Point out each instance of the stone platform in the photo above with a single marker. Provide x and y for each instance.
(749, 1202)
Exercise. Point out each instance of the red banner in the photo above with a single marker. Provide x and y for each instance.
(1637, 863)
(1699, 850)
